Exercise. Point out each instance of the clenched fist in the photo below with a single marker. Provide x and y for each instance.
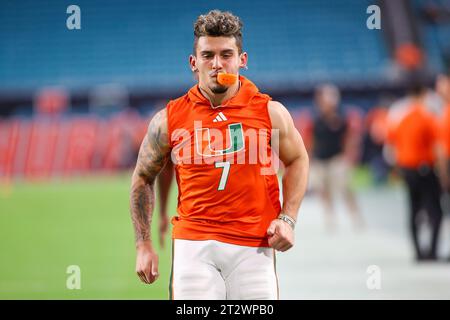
(281, 235)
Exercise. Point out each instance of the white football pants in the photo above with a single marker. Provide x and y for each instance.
(213, 270)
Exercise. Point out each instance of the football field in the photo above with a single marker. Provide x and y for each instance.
(47, 227)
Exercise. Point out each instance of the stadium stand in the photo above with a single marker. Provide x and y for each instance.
(136, 55)
(137, 46)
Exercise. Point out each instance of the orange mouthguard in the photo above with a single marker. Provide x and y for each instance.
(226, 79)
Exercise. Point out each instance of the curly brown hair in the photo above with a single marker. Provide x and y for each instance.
(218, 23)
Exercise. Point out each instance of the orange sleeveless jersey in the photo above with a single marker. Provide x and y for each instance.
(225, 193)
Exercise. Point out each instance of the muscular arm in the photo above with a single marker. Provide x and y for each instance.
(153, 154)
(292, 153)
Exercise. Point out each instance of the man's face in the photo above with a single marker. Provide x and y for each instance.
(214, 55)
(328, 100)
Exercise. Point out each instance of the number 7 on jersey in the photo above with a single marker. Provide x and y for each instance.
(225, 172)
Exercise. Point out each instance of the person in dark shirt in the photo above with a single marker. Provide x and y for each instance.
(331, 167)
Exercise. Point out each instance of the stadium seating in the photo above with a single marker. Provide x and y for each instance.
(146, 43)
(44, 147)
(435, 37)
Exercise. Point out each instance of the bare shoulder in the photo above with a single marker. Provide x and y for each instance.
(279, 116)
(155, 147)
(158, 127)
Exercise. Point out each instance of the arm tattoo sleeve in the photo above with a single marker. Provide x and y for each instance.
(153, 155)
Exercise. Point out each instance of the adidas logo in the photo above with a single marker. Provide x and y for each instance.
(220, 117)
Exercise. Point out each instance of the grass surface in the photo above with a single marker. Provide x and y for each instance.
(46, 227)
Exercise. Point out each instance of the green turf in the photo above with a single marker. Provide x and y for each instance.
(46, 227)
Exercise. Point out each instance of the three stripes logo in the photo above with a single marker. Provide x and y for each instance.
(220, 117)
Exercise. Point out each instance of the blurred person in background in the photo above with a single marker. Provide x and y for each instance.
(374, 138)
(412, 140)
(443, 89)
(331, 167)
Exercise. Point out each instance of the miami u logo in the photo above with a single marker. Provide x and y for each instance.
(210, 142)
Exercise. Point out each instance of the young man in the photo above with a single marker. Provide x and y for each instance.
(331, 168)
(229, 217)
(413, 137)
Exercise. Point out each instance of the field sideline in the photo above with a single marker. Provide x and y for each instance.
(45, 227)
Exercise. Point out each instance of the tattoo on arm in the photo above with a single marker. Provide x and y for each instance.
(153, 154)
